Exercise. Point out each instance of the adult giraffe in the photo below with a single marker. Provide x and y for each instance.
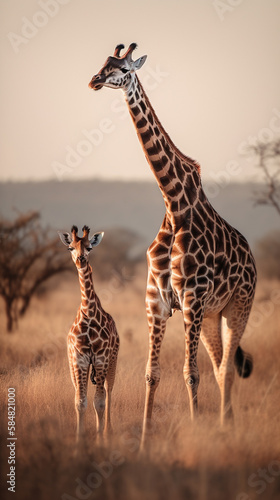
(198, 263)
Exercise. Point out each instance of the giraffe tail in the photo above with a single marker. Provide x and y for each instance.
(243, 362)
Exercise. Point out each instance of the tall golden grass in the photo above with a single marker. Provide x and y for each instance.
(185, 460)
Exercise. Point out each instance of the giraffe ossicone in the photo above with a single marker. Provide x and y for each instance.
(93, 340)
(198, 263)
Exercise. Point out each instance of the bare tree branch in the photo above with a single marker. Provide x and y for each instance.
(28, 258)
(268, 155)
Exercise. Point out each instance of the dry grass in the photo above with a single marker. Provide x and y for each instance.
(186, 461)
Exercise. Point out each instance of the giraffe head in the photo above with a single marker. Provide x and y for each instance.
(80, 247)
(117, 70)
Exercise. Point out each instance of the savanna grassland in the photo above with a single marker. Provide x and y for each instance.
(185, 461)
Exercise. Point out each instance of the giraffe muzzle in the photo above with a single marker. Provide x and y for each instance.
(81, 260)
(96, 82)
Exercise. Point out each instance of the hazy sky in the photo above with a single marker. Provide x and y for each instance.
(212, 75)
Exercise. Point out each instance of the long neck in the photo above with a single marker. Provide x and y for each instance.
(177, 175)
(89, 299)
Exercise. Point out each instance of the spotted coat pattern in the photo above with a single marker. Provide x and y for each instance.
(93, 342)
(198, 263)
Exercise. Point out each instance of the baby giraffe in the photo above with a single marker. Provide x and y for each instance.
(92, 340)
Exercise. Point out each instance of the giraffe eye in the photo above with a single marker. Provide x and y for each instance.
(123, 70)
(89, 249)
(71, 249)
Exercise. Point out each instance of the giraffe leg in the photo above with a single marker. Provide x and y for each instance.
(193, 309)
(81, 375)
(157, 313)
(79, 370)
(99, 406)
(152, 376)
(211, 336)
(109, 383)
(226, 373)
(236, 315)
(108, 424)
(99, 400)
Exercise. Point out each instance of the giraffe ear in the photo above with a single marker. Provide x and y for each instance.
(139, 63)
(66, 238)
(96, 239)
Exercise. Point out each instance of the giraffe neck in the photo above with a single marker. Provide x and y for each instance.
(177, 175)
(89, 300)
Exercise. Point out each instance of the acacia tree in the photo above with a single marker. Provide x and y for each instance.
(29, 256)
(268, 161)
